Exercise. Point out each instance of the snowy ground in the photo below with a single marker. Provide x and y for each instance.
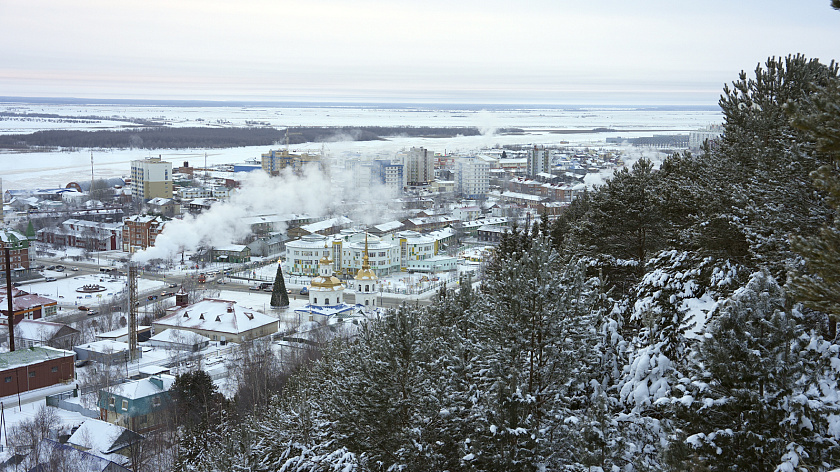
(64, 288)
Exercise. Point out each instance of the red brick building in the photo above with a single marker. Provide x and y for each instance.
(140, 232)
(18, 251)
(25, 305)
(33, 368)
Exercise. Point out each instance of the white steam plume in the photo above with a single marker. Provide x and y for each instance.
(223, 222)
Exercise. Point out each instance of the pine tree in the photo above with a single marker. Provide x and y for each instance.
(625, 219)
(761, 169)
(536, 338)
(279, 295)
(817, 284)
(753, 398)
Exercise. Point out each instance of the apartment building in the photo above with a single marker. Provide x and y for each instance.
(472, 177)
(140, 232)
(151, 177)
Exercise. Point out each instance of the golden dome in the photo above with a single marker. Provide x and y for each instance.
(365, 274)
(330, 282)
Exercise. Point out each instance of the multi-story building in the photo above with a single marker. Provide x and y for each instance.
(275, 162)
(539, 160)
(18, 246)
(150, 178)
(90, 235)
(385, 255)
(697, 138)
(140, 232)
(472, 177)
(419, 166)
(385, 172)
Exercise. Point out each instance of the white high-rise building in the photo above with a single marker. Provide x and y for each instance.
(472, 177)
(151, 178)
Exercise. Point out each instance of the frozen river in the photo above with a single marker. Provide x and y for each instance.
(539, 126)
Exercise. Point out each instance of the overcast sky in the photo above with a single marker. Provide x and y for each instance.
(454, 51)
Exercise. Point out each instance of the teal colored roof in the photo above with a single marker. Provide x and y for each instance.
(32, 355)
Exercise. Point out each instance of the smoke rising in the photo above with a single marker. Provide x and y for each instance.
(223, 223)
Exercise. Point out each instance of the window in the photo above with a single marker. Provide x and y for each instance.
(156, 402)
(32, 374)
(54, 369)
(112, 401)
(326, 301)
(125, 404)
(8, 379)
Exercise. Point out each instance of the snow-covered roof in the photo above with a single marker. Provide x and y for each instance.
(158, 201)
(48, 450)
(143, 388)
(119, 333)
(26, 302)
(326, 224)
(223, 316)
(389, 226)
(231, 248)
(500, 220)
(522, 196)
(37, 329)
(181, 336)
(10, 235)
(106, 346)
(101, 437)
(32, 355)
(327, 311)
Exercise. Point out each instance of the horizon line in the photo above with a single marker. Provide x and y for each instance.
(333, 104)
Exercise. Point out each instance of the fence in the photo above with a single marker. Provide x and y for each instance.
(60, 400)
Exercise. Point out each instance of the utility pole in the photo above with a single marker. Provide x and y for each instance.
(9, 298)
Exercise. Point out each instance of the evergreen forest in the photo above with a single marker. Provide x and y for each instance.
(679, 318)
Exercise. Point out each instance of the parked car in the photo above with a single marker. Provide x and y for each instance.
(304, 291)
(254, 287)
(49, 279)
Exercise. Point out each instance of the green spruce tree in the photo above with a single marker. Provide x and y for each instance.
(279, 295)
